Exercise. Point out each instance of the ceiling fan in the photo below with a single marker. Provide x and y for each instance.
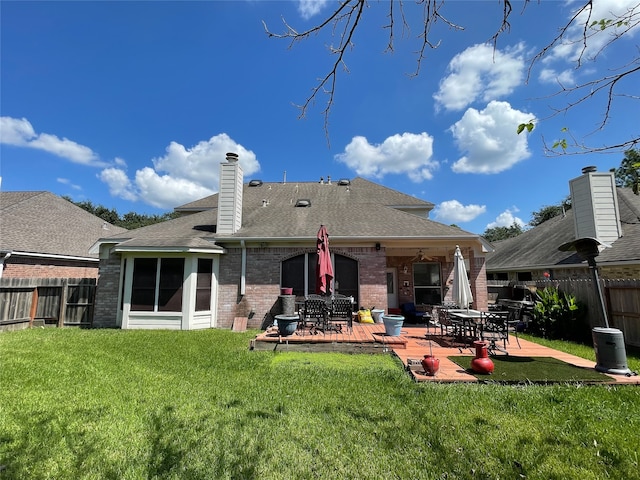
(421, 257)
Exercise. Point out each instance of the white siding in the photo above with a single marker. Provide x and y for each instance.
(201, 320)
(595, 206)
(230, 198)
(154, 321)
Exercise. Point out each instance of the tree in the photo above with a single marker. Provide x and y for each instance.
(129, 220)
(502, 233)
(343, 22)
(628, 173)
(550, 211)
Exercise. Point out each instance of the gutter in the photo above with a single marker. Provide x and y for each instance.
(52, 255)
(2, 260)
(243, 269)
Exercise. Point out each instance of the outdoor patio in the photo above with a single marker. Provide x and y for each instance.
(410, 347)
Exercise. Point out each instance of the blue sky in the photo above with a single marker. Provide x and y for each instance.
(132, 105)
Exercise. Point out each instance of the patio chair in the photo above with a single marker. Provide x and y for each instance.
(409, 312)
(315, 310)
(495, 329)
(515, 321)
(447, 326)
(341, 309)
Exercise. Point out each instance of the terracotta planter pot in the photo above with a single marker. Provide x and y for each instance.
(482, 363)
(431, 365)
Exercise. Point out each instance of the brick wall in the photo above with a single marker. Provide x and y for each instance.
(372, 268)
(618, 272)
(478, 277)
(262, 287)
(17, 267)
(261, 301)
(621, 272)
(106, 303)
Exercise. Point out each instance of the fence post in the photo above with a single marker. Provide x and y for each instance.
(34, 306)
(63, 302)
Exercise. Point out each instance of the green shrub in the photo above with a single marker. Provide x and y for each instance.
(557, 315)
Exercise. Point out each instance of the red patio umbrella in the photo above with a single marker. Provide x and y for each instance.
(324, 271)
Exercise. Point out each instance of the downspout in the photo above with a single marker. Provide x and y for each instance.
(243, 268)
(2, 260)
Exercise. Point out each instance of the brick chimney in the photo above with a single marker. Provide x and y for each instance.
(230, 196)
(594, 201)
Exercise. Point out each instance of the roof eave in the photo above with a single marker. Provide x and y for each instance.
(52, 256)
(176, 249)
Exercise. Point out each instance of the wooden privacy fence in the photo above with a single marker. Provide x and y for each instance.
(622, 301)
(58, 302)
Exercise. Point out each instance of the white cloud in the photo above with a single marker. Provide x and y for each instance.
(452, 211)
(572, 46)
(20, 133)
(564, 77)
(409, 154)
(489, 139)
(66, 181)
(180, 176)
(506, 219)
(119, 184)
(309, 8)
(480, 73)
(165, 191)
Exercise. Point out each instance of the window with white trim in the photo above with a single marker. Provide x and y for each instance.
(157, 284)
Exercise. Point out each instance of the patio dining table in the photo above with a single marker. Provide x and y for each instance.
(469, 323)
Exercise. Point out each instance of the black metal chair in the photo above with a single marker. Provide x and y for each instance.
(315, 310)
(515, 321)
(447, 326)
(495, 329)
(341, 309)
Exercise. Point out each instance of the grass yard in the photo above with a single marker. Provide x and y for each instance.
(110, 404)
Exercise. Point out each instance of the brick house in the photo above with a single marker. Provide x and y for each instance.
(599, 210)
(45, 236)
(230, 254)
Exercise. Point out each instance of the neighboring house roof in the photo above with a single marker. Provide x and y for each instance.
(41, 223)
(362, 209)
(538, 247)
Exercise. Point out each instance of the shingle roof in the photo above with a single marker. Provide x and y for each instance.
(44, 223)
(538, 247)
(361, 209)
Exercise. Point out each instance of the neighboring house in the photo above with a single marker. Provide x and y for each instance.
(230, 254)
(45, 236)
(599, 210)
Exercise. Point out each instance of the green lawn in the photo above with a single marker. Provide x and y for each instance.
(115, 404)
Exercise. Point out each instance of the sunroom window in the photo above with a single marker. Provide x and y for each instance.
(157, 284)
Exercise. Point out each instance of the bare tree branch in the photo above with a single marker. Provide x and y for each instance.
(345, 19)
(349, 12)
